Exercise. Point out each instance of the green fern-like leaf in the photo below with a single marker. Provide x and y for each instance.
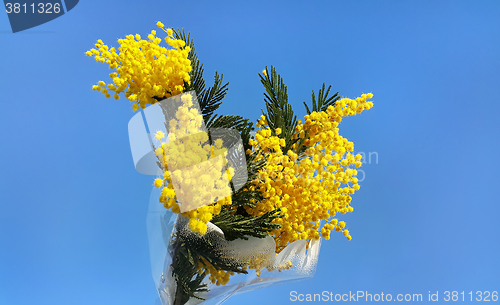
(279, 112)
(324, 101)
(209, 99)
(236, 225)
(242, 125)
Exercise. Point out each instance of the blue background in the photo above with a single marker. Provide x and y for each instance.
(73, 208)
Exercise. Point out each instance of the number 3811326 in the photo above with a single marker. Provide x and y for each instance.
(40, 8)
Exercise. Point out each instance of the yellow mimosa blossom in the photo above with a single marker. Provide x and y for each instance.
(315, 186)
(159, 135)
(158, 182)
(191, 167)
(145, 71)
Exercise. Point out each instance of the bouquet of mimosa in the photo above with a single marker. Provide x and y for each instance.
(235, 206)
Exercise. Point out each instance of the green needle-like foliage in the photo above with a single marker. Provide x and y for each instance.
(323, 100)
(209, 99)
(242, 125)
(187, 253)
(239, 226)
(279, 112)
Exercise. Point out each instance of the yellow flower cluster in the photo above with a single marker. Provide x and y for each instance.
(314, 186)
(194, 171)
(218, 277)
(259, 263)
(144, 69)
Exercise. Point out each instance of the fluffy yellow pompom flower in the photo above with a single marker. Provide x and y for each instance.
(159, 151)
(159, 135)
(158, 182)
(159, 24)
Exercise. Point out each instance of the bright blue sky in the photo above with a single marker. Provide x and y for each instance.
(73, 208)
